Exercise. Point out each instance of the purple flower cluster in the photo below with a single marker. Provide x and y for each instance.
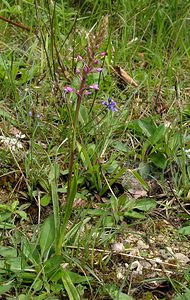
(111, 105)
(86, 69)
(95, 87)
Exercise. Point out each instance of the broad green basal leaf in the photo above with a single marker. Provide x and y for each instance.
(185, 230)
(47, 235)
(145, 204)
(134, 215)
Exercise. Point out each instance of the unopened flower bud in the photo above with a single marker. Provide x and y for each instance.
(103, 53)
(77, 71)
(86, 69)
(79, 58)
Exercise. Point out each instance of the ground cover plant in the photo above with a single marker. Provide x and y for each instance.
(94, 149)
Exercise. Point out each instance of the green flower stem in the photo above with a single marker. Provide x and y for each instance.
(72, 180)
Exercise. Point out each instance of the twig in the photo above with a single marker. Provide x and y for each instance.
(20, 25)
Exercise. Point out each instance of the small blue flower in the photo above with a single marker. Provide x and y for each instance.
(111, 105)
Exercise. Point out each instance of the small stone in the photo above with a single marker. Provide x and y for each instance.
(183, 259)
(118, 247)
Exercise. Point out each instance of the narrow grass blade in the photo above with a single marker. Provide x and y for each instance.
(68, 210)
(69, 286)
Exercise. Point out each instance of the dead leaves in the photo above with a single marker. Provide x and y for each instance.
(124, 76)
(14, 142)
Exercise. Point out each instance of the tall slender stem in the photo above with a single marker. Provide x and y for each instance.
(69, 201)
(73, 142)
